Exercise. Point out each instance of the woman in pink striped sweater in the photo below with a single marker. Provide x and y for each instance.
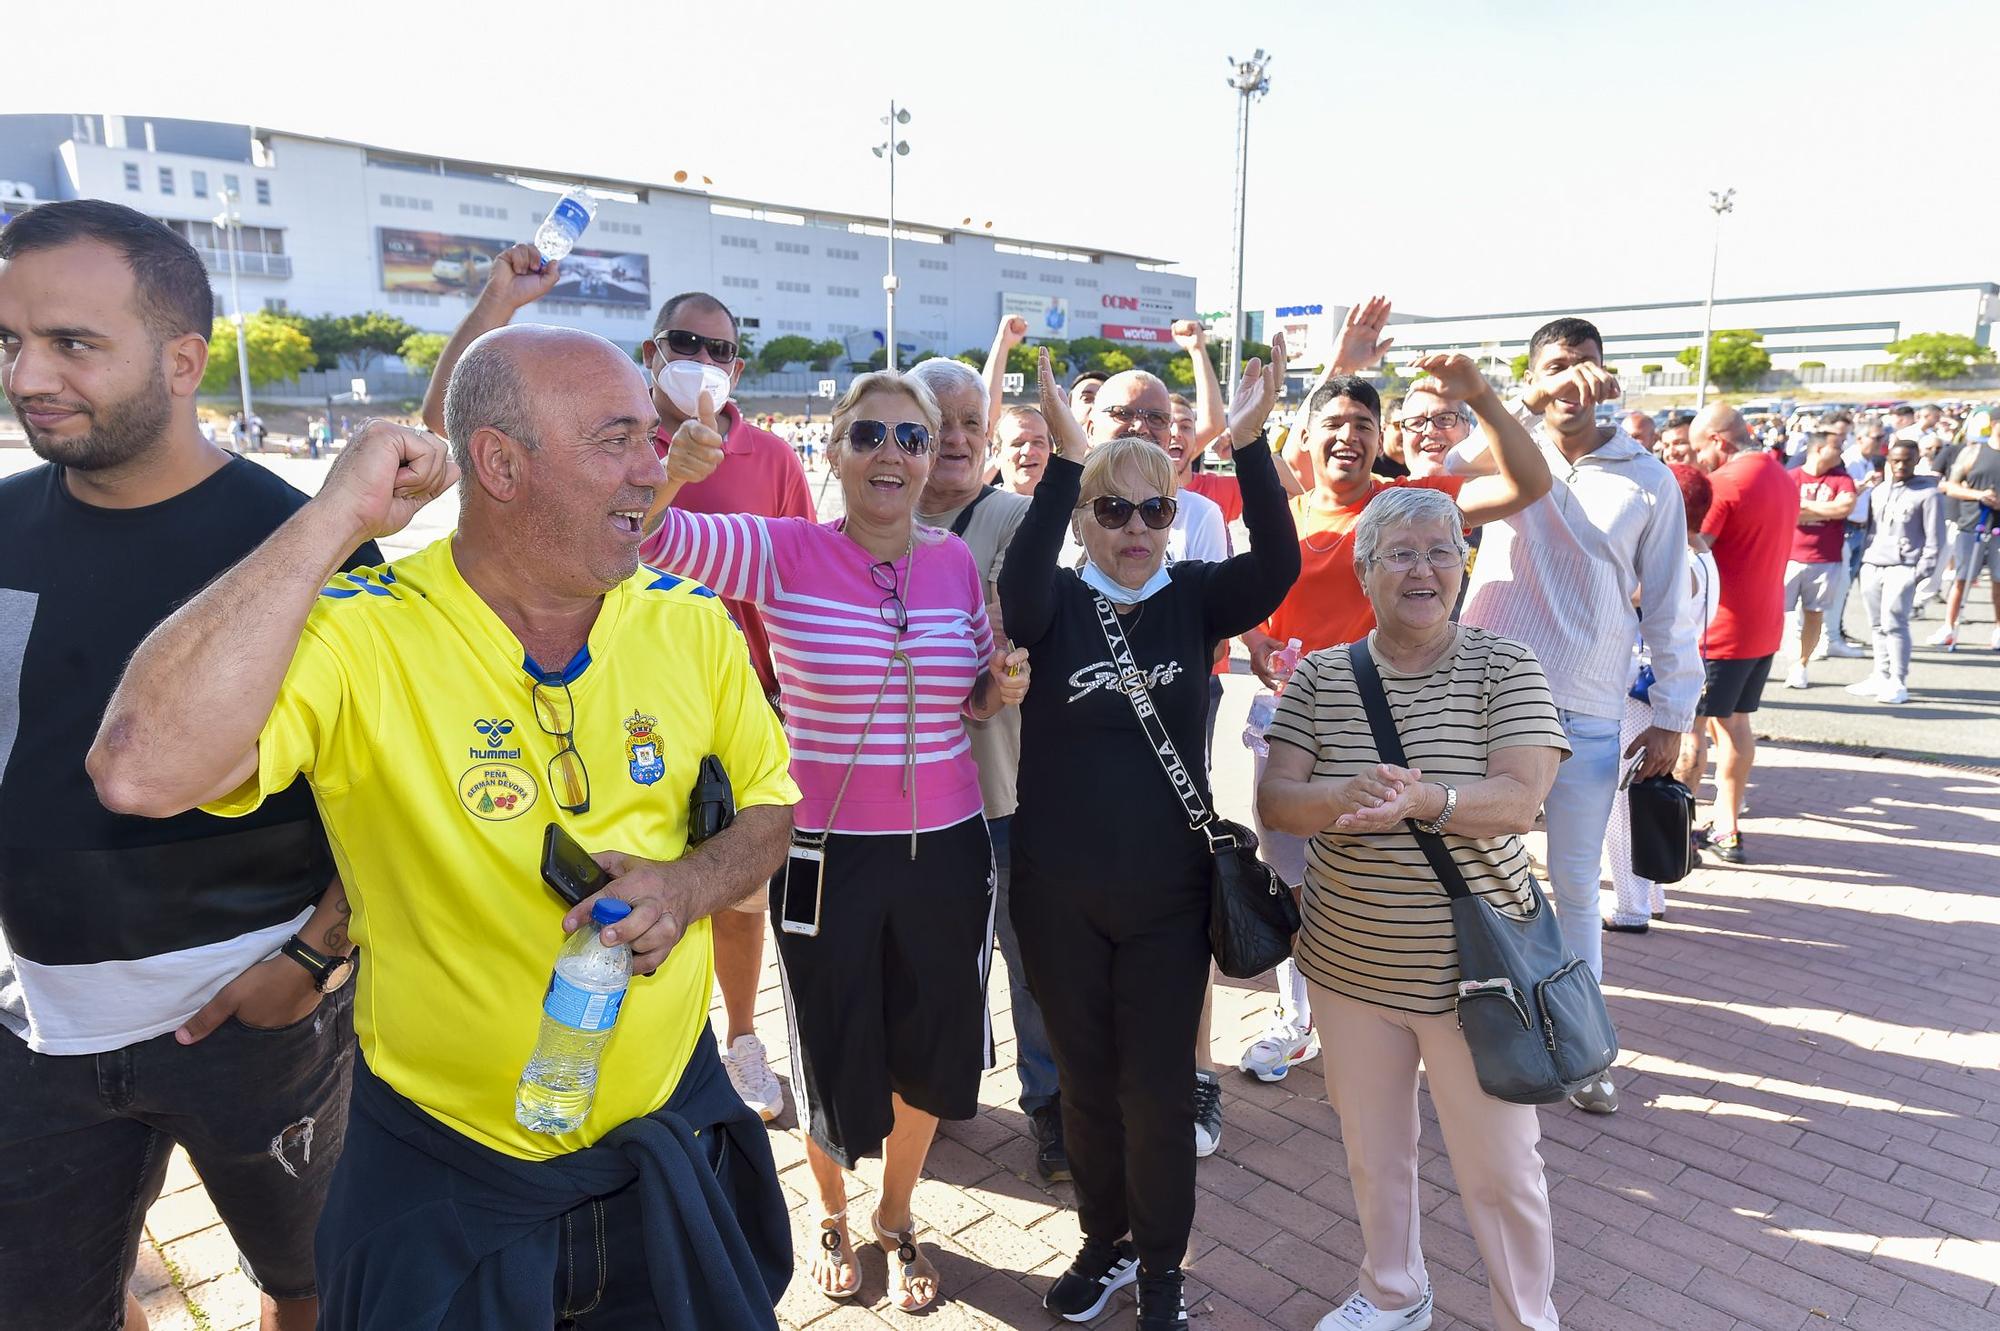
(882, 648)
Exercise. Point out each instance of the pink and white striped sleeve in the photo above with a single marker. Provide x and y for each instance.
(729, 553)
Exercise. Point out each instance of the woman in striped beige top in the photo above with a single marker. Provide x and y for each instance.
(1480, 733)
(882, 648)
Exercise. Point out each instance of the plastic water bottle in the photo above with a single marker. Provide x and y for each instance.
(578, 1012)
(1265, 705)
(560, 230)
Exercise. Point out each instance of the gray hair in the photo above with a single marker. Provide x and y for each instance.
(1404, 505)
(484, 392)
(1426, 384)
(942, 375)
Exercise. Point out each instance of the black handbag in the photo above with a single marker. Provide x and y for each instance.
(1662, 813)
(1252, 915)
(1532, 1014)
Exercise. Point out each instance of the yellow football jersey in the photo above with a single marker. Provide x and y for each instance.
(409, 707)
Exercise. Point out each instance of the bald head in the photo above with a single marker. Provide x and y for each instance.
(1141, 398)
(1640, 426)
(506, 379)
(1719, 432)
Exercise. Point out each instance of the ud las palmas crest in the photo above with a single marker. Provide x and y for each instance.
(642, 748)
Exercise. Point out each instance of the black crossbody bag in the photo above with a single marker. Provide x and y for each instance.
(1252, 915)
(1532, 1014)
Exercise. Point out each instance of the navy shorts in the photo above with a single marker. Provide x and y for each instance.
(1734, 686)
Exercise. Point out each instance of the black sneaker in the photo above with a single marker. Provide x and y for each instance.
(1162, 1305)
(1051, 1155)
(1099, 1271)
(1207, 1113)
(1729, 849)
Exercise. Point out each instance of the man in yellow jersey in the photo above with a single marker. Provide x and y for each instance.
(445, 708)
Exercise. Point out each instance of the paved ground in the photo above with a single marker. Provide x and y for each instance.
(1811, 1134)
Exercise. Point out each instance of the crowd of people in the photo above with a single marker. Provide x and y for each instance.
(976, 710)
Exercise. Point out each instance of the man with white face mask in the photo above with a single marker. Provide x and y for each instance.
(693, 348)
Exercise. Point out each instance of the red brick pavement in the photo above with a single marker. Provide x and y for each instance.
(1811, 1131)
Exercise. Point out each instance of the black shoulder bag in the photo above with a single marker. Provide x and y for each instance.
(1252, 916)
(1532, 1013)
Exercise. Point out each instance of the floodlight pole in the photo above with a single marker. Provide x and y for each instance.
(230, 226)
(1719, 202)
(893, 149)
(1250, 82)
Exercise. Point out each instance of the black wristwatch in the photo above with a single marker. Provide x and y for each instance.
(328, 973)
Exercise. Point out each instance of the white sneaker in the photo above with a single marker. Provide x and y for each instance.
(1995, 643)
(1797, 679)
(750, 1073)
(1274, 1053)
(1946, 636)
(1870, 687)
(1893, 694)
(1838, 646)
(1207, 1113)
(1358, 1314)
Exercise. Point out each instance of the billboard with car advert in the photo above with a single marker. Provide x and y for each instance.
(433, 262)
(605, 278)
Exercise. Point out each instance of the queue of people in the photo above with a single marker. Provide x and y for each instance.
(276, 773)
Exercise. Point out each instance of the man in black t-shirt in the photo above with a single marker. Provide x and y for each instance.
(160, 982)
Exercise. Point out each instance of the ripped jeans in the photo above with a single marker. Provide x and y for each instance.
(85, 1140)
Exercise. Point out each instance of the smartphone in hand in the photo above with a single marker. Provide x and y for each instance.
(568, 868)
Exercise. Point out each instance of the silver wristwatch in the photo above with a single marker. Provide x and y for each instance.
(1436, 825)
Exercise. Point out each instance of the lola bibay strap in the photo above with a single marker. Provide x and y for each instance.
(1132, 683)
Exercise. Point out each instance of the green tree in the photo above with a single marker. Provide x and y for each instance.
(1651, 369)
(1518, 367)
(1114, 361)
(824, 354)
(1931, 358)
(420, 351)
(1812, 365)
(1179, 373)
(278, 350)
(878, 359)
(782, 351)
(1736, 358)
(1025, 360)
(353, 341)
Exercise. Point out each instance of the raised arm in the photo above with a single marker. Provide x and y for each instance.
(1241, 592)
(183, 725)
(1012, 332)
(519, 278)
(1210, 419)
(1521, 473)
(1028, 577)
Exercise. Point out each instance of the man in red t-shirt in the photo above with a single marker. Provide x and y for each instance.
(759, 474)
(1750, 525)
(1816, 574)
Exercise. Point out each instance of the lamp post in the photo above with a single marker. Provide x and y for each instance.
(226, 219)
(1250, 82)
(1719, 202)
(893, 149)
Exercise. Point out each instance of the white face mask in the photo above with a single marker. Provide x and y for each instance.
(1117, 592)
(683, 381)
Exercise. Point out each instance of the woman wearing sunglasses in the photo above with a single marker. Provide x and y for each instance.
(1111, 886)
(882, 646)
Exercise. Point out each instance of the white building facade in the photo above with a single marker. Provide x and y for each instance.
(331, 227)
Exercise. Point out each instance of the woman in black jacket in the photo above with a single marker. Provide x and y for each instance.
(1111, 885)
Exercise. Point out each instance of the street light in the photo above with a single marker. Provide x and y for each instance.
(892, 149)
(1250, 83)
(1719, 202)
(227, 220)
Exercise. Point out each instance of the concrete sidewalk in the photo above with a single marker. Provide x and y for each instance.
(1811, 1134)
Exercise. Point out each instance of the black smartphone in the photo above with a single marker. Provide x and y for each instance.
(568, 869)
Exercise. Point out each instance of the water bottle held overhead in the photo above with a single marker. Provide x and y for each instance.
(579, 1010)
(564, 226)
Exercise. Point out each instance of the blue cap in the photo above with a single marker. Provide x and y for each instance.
(610, 910)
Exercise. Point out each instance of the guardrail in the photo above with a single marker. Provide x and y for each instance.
(248, 264)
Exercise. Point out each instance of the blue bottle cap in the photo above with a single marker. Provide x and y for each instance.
(610, 910)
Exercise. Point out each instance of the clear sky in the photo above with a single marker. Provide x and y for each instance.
(1461, 157)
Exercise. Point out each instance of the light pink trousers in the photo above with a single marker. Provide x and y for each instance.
(1371, 1055)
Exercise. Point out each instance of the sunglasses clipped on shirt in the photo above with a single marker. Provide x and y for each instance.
(911, 436)
(1112, 512)
(683, 343)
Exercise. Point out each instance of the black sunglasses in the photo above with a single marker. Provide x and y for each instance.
(1113, 512)
(683, 343)
(867, 436)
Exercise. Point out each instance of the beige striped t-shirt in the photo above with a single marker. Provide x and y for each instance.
(1377, 921)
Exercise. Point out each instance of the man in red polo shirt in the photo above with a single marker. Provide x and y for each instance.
(1750, 523)
(759, 474)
